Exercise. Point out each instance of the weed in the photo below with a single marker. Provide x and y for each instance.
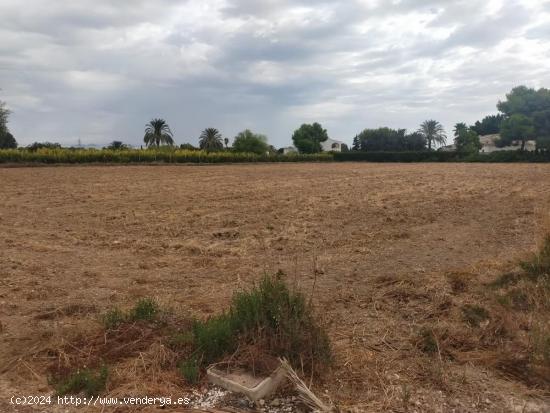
(474, 315)
(214, 337)
(269, 315)
(189, 369)
(113, 318)
(181, 339)
(88, 381)
(145, 309)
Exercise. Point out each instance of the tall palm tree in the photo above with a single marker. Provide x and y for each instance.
(210, 140)
(460, 128)
(158, 132)
(432, 131)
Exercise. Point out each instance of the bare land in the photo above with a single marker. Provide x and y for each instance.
(380, 244)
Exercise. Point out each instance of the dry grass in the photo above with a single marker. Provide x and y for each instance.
(393, 250)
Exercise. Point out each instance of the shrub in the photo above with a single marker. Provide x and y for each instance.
(88, 381)
(145, 309)
(113, 318)
(271, 316)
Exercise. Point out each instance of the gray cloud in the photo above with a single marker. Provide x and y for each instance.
(99, 70)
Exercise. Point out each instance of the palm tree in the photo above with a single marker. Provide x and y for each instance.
(210, 140)
(432, 131)
(158, 132)
(460, 128)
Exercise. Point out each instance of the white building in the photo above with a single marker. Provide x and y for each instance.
(488, 143)
(332, 145)
(290, 149)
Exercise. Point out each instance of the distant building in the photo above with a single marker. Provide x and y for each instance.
(290, 149)
(332, 145)
(448, 148)
(488, 143)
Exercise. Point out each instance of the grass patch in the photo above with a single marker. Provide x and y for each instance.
(146, 309)
(474, 315)
(90, 382)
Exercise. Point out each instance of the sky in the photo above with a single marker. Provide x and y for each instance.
(98, 70)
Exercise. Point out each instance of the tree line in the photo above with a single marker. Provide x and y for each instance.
(524, 115)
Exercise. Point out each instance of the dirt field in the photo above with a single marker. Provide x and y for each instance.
(379, 240)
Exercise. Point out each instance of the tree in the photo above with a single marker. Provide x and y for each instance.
(433, 131)
(541, 121)
(525, 101)
(489, 125)
(226, 142)
(158, 132)
(460, 128)
(43, 145)
(7, 141)
(516, 127)
(117, 146)
(356, 143)
(188, 147)
(246, 141)
(387, 139)
(466, 139)
(307, 138)
(210, 140)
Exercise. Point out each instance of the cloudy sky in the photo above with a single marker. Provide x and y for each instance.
(98, 70)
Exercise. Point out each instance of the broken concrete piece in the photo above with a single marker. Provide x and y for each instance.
(241, 381)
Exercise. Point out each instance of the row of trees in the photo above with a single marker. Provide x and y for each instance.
(430, 133)
(157, 133)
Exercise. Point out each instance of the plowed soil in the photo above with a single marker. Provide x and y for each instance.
(373, 243)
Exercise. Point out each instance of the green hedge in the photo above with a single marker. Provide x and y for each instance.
(436, 156)
(53, 156)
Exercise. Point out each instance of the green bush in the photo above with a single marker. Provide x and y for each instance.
(269, 315)
(439, 156)
(90, 382)
(145, 309)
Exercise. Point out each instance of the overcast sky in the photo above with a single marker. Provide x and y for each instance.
(100, 70)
